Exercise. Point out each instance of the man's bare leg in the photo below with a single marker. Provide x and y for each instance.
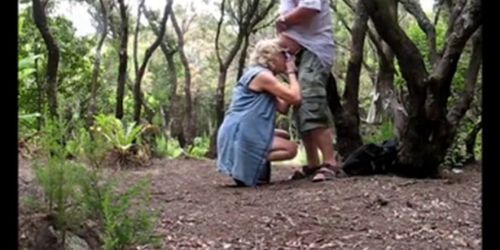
(311, 149)
(323, 139)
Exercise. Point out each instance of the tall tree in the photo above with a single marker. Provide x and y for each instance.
(246, 39)
(347, 115)
(149, 113)
(386, 97)
(414, 8)
(123, 59)
(172, 114)
(136, 35)
(384, 86)
(102, 32)
(430, 128)
(189, 128)
(351, 94)
(40, 18)
(149, 52)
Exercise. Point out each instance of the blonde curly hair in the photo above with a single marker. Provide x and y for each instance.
(263, 52)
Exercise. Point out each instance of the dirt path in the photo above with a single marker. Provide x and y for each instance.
(199, 210)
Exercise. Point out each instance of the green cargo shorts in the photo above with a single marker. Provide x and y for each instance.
(313, 76)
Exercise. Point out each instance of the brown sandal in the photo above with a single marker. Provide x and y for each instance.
(304, 172)
(328, 172)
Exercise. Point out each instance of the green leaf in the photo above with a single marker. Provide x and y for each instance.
(20, 24)
(29, 116)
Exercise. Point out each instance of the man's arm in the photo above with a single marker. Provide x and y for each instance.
(298, 15)
(304, 11)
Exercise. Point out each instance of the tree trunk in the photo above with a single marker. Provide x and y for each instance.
(347, 116)
(219, 111)
(123, 58)
(189, 123)
(463, 104)
(39, 101)
(470, 142)
(388, 98)
(171, 114)
(136, 36)
(351, 93)
(243, 56)
(428, 133)
(97, 64)
(176, 121)
(40, 18)
(149, 112)
(149, 52)
(414, 8)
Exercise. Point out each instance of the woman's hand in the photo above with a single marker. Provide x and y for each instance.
(290, 63)
(281, 24)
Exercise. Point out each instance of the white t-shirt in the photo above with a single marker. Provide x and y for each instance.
(315, 35)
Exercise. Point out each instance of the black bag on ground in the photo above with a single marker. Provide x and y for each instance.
(371, 159)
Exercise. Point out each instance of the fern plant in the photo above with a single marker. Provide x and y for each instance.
(167, 147)
(200, 146)
(121, 138)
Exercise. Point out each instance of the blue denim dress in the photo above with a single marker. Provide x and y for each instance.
(244, 139)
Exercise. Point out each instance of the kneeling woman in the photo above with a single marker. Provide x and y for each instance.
(247, 141)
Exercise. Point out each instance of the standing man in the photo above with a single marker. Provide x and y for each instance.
(305, 29)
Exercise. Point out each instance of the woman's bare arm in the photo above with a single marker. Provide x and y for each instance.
(282, 106)
(266, 81)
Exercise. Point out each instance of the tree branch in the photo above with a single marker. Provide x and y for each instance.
(438, 13)
(40, 19)
(414, 8)
(442, 76)
(271, 22)
(463, 104)
(187, 80)
(350, 5)
(408, 55)
(136, 36)
(342, 19)
(217, 34)
(97, 63)
(457, 8)
(147, 56)
(186, 23)
(260, 14)
(351, 93)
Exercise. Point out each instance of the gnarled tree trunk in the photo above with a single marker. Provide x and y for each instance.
(172, 113)
(189, 128)
(149, 52)
(40, 18)
(347, 116)
(428, 132)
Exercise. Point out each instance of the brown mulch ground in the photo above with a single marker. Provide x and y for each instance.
(200, 210)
